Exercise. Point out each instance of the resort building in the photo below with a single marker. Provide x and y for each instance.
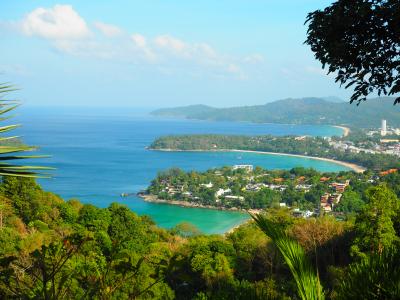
(248, 168)
(383, 128)
(222, 192)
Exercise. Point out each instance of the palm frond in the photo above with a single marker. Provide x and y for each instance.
(307, 281)
(8, 147)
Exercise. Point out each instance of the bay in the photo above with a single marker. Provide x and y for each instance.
(99, 154)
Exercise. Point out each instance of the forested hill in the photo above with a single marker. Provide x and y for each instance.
(297, 111)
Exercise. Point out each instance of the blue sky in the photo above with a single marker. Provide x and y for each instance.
(160, 53)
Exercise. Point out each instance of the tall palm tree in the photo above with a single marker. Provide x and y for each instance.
(10, 149)
(307, 281)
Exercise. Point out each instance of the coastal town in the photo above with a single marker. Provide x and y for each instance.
(383, 140)
(305, 192)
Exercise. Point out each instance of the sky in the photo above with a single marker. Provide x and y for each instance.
(160, 53)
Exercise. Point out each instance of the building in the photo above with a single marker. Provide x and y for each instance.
(339, 187)
(328, 201)
(207, 185)
(248, 168)
(231, 197)
(222, 192)
(383, 128)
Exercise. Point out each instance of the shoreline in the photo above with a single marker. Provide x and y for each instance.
(155, 199)
(354, 167)
(346, 130)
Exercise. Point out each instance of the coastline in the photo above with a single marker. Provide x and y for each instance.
(354, 167)
(346, 130)
(154, 199)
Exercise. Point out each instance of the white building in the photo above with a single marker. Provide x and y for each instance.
(383, 128)
(207, 185)
(221, 192)
(248, 168)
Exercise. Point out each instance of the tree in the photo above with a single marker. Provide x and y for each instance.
(9, 145)
(186, 229)
(360, 40)
(350, 202)
(374, 225)
(375, 277)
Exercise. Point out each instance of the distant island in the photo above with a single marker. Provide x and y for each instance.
(347, 150)
(297, 111)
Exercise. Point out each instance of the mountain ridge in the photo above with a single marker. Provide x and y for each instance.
(309, 110)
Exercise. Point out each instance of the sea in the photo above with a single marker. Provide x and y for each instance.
(100, 153)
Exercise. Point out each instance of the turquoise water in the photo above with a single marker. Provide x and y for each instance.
(100, 154)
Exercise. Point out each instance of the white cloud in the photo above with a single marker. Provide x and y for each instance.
(108, 30)
(58, 23)
(69, 33)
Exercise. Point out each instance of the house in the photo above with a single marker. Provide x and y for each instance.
(303, 187)
(207, 185)
(340, 187)
(328, 201)
(324, 179)
(222, 192)
(301, 178)
(255, 187)
(325, 204)
(326, 207)
(278, 187)
(334, 198)
(231, 197)
(248, 168)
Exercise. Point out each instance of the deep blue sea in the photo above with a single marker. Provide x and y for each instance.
(99, 154)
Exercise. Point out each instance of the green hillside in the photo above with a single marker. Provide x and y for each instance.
(297, 111)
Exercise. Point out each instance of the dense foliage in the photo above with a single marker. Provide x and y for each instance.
(312, 146)
(360, 42)
(56, 249)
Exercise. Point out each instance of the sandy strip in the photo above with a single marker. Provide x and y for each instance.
(354, 167)
(346, 130)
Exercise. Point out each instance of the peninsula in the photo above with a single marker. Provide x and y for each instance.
(244, 187)
(332, 149)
